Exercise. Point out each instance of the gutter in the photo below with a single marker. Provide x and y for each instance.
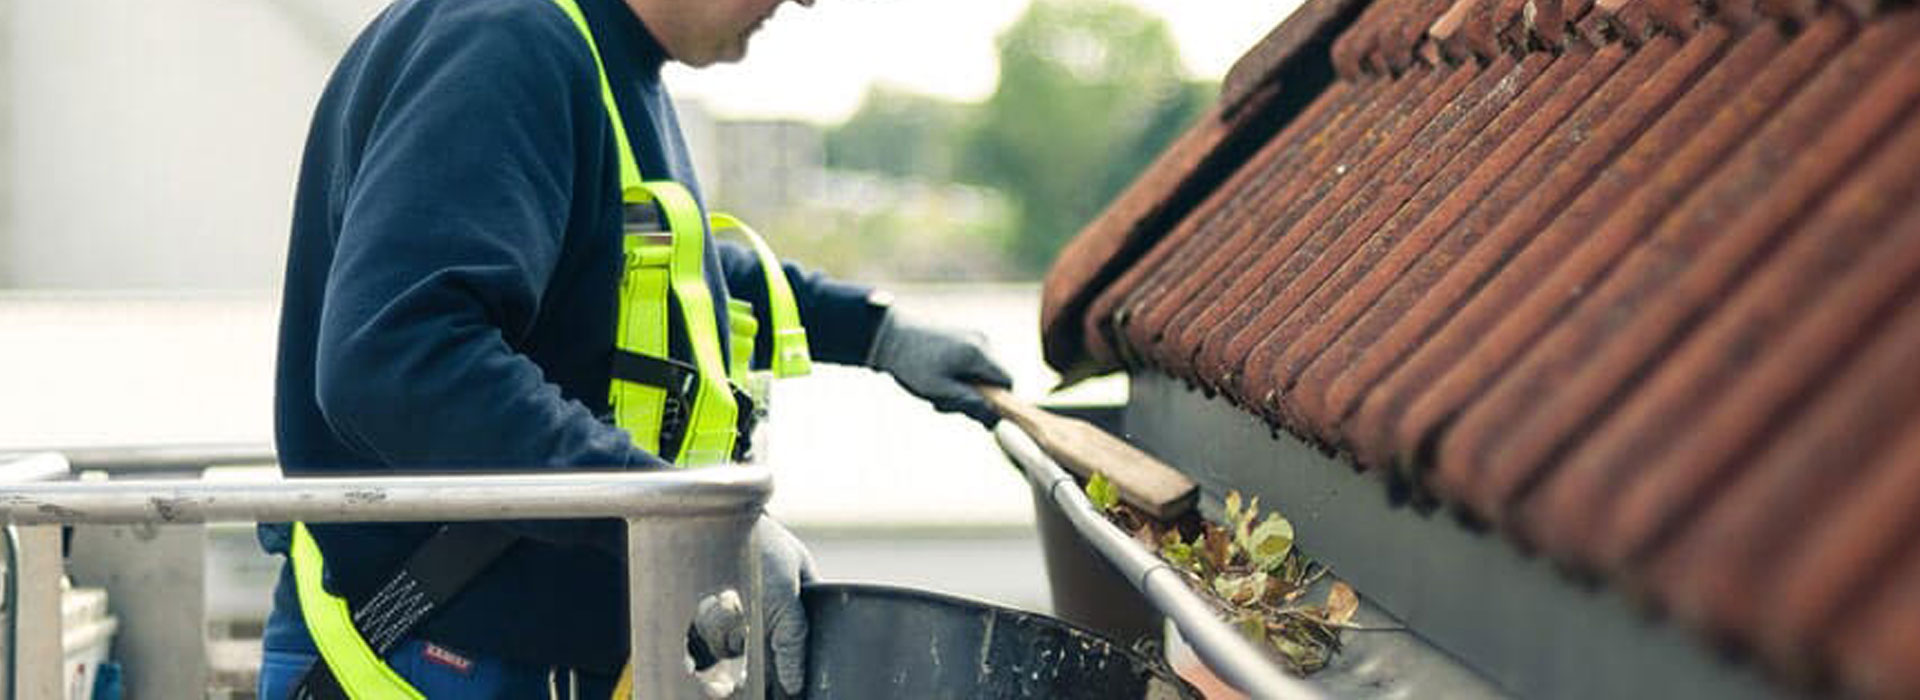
(1223, 649)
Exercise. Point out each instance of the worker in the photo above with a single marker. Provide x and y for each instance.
(481, 181)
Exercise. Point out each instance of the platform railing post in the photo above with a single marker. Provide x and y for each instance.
(673, 563)
(39, 662)
(34, 660)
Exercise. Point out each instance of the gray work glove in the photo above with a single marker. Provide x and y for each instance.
(938, 364)
(784, 565)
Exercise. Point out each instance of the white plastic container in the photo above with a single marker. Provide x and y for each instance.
(86, 637)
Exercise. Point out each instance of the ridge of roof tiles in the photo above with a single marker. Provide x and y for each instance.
(1637, 282)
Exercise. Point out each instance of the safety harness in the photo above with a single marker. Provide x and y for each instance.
(697, 413)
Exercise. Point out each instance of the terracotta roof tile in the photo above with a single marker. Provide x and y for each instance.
(1418, 176)
(1637, 281)
(1454, 366)
(1261, 283)
(1292, 191)
(1629, 319)
(1833, 244)
(1837, 423)
(1326, 385)
(1176, 249)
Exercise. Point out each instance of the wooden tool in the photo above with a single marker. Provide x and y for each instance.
(1144, 482)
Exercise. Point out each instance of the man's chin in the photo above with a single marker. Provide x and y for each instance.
(736, 51)
(731, 53)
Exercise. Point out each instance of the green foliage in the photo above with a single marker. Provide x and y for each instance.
(901, 134)
(1090, 91)
(1254, 576)
(1269, 543)
(1178, 552)
(1102, 492)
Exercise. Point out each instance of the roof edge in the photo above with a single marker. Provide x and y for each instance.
(1263, 91)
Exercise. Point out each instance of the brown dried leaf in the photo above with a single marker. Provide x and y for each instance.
(1341, 604)
(1147, 535)
(1218, 550)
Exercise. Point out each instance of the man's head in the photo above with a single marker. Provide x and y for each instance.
(705, 32)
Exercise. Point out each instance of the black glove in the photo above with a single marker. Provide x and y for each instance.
(938, 364)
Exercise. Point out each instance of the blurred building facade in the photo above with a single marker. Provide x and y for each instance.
(156, 145)
(153, 145)
(766, 166)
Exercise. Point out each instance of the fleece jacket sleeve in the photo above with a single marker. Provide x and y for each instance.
(840, 323)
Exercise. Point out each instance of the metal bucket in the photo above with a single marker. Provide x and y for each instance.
(870, 641)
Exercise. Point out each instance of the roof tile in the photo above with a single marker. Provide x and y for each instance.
(1454, 366)
(1629, 319)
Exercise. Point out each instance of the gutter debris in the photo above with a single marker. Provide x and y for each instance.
(1249, 572)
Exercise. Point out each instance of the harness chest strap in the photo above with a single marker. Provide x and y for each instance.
(710, 426)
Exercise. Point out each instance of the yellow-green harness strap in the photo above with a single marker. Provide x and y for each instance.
(709, 433)
(711, 425)
(359, 671)
(790, 355)
(629, 168)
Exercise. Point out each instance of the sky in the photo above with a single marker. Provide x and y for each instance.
(816, 63)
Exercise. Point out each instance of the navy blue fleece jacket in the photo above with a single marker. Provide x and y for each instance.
(451, 294)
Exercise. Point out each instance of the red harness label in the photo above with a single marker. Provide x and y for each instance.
(446, 657)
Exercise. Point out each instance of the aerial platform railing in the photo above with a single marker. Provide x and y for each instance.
(688, 534)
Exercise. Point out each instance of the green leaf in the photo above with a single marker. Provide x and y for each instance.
(1251, 626)
(1244, 589)
(1178, 553)
(1242, 522)
(1102, 492)
(1299, 654)
(1267, 546)
(1233, 507)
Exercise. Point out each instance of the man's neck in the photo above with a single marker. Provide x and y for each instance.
(657, 18)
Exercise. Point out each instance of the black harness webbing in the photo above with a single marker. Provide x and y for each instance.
(433, 575)
(681, 380)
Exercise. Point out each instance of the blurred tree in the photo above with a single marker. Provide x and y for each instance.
(1090, 91)
(899, 133)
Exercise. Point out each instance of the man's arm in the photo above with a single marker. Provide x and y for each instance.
(840, 323)
(938, 364)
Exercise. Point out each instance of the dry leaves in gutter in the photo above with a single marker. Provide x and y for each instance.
(1250, 572)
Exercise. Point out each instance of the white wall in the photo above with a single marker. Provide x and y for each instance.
(154, 143)
(6, 140)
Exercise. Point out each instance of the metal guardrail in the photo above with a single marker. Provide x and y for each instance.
(1222, 648)
(669, 515)
(32, 583)
(166, 458)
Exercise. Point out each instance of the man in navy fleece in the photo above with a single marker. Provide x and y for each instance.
(449, 304)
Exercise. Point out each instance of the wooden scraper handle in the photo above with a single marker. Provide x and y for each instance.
(1083, 448)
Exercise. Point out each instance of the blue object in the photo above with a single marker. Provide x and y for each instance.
(440, 672)
(107, 683)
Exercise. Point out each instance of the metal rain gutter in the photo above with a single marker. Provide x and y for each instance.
(1217, 643)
